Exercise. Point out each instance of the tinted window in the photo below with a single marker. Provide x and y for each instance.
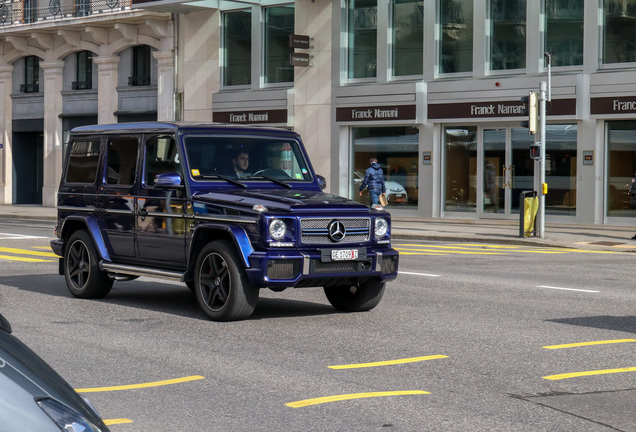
(161, 157)
(82, 163)
(122, 161)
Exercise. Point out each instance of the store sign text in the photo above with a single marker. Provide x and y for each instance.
(402, 112)
(501, 109)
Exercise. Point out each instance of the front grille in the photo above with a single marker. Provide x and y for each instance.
(283, 269)
(319, 267)
(316, 231)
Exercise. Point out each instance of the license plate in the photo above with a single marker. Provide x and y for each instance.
(344, 254)
(398, 195)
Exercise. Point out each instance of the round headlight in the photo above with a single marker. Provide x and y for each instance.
(277, 229)
(381, 227)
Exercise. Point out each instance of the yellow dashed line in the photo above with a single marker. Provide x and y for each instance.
(449, 252)
(27, 252)
(117, 421)
(23, 259)
(142, 385)
(588, 373)
(316, 401)
(389, 362)
(580, 344)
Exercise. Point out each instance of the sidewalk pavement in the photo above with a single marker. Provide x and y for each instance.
(587, 237)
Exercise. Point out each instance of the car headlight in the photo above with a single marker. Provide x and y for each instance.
(381, 227)
(277, 229)
(65, 418)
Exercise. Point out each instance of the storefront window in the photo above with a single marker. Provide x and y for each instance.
(621, 169)
(279, 25)
(564, 31)
(237, 44)
(456, 36)
(460, 168)
(408, 37)
(560, 169)
(508, 34)
(619, 31)
(363, 35)
(396, 149)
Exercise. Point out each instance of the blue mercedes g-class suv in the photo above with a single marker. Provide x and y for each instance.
(226, 209)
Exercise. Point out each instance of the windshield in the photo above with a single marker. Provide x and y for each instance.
(243, 159)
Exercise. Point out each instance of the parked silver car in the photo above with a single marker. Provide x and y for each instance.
(33, 397)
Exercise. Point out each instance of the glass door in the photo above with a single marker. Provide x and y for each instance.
(506, 170)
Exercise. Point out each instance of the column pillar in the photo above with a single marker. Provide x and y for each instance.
(165, 85)
(6, 82)
(53, 142)
(107, 96)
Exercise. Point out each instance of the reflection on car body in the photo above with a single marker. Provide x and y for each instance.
(33, 397)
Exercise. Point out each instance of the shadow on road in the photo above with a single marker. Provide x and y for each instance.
(165, 297)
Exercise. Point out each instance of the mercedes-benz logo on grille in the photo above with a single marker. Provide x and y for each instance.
(337, 231)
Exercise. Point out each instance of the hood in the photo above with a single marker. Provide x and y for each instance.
(26, 376)
(375, 165)
(289, 200)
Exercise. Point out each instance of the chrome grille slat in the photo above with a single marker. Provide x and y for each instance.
(315, 230)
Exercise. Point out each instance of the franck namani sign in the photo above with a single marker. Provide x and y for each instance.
(501, 109)
(613, 105)
(251, 117)
(381, 113)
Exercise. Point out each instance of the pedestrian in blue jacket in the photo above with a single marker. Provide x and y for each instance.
(374, 180)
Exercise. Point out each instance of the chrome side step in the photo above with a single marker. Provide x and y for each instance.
(139, 271)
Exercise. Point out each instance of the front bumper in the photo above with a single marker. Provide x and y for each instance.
(308, 268)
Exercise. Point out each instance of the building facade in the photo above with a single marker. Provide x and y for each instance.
(430, 88)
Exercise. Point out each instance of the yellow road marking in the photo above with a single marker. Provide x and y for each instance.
(588, 373)
(389, 362)
(449, 252)
(23, 259)
(142, 385)
(117, 421)
(316, 401)
(421, 253)
(580, 344)
(27, 252)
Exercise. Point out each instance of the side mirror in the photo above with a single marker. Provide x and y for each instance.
(168, 180)
(322, 182)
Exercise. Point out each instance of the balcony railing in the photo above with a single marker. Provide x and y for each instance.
(29, 88)
(14, 12)
(82, 85)
(139, 81)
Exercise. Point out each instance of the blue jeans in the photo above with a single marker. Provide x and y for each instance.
(374, 194)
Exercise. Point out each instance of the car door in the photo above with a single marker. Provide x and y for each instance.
(160, 218)
(116, 200)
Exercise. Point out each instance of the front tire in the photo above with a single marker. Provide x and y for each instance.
(83, 277)
(355, 298)
(222, 288)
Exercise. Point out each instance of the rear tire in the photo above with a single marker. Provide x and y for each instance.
(83, 277)
(357, 297)
(222, 288)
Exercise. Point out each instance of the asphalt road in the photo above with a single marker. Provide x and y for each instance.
(469, 338)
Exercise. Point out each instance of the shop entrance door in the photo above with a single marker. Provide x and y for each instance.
(504, 171)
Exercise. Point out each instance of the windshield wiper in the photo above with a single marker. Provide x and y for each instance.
(272, 179)
(222, 177)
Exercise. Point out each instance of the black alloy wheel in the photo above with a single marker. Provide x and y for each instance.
(83, 277)
(222, 288)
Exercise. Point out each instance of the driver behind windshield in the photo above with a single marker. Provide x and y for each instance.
(240, 163)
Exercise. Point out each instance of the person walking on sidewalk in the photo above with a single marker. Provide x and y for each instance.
(374, 180)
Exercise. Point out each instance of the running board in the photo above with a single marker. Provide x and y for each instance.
(140, 271)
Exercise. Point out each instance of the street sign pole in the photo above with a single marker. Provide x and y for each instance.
(542, 192)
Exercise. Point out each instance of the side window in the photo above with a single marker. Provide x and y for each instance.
(161, 157)
(122, 161)
(82, 162)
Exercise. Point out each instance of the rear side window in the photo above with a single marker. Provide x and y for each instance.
(83, 161)
(121, 164)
